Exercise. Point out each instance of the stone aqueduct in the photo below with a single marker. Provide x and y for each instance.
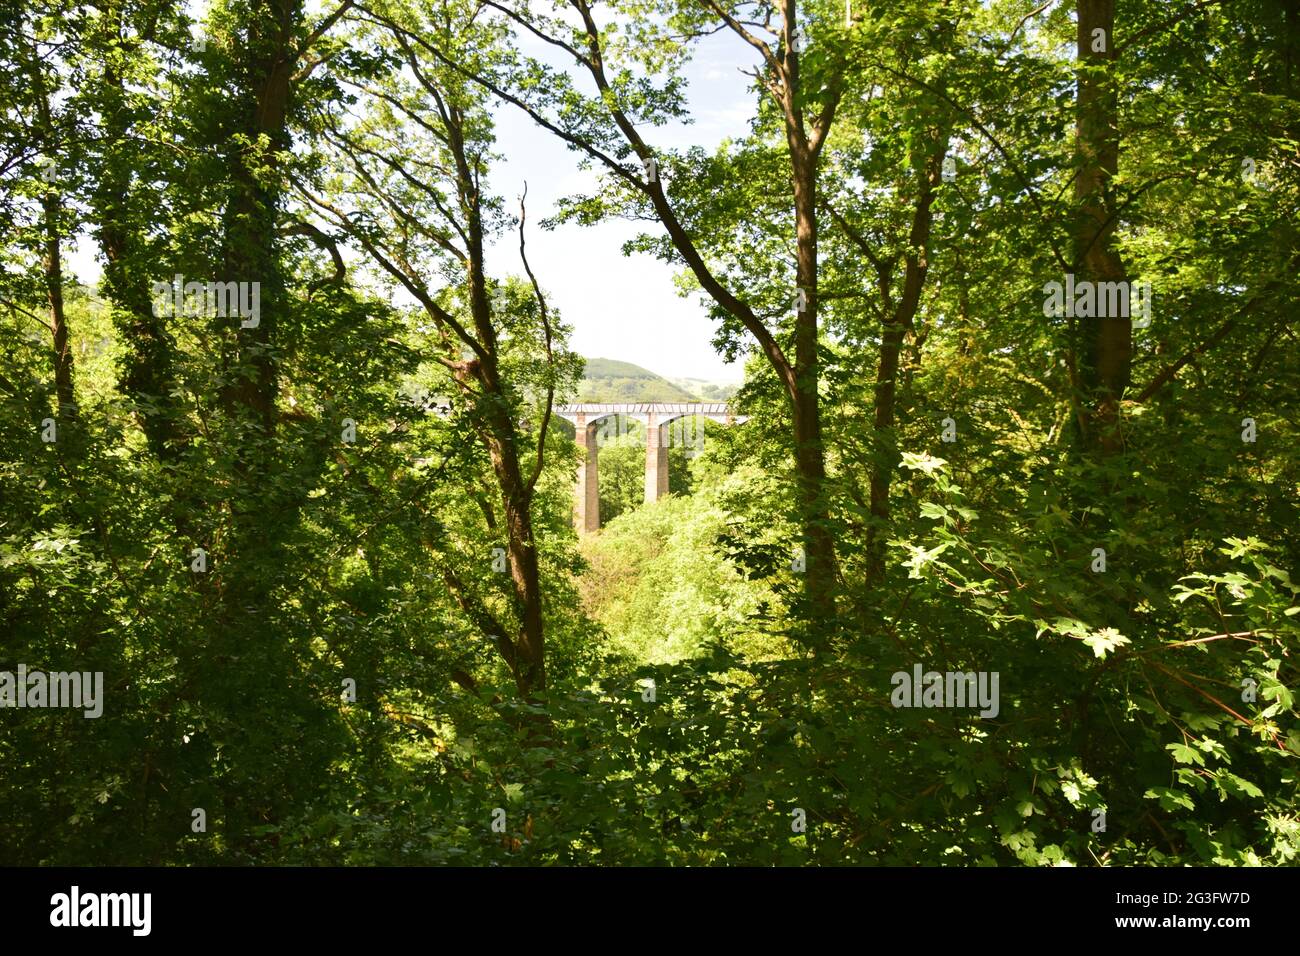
(589, 421)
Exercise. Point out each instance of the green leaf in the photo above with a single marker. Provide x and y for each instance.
(1104, 640)
(1170, 799)
(1185, 754)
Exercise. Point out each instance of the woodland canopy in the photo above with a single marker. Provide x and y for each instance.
(319, 542)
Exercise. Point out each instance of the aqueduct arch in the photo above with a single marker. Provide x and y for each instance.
(658, 417)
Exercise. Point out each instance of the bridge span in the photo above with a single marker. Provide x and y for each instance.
(592, 423)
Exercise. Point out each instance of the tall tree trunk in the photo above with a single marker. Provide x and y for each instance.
(148, 368)
(1107, 340)
(521, 548)
(53, 268)
(249, 254)
(529, 664)
(261, 509)
(882, 472)
(51, 253)
(810, 459)
(249, 247)
(896, 327)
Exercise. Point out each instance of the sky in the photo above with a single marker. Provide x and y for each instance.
(621, 307)
(618, 307)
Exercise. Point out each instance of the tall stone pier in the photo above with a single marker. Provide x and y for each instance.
(587, 504)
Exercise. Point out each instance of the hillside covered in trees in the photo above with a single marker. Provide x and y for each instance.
(608, 380)
(1001, 569)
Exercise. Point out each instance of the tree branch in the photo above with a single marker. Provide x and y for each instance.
(550, 360)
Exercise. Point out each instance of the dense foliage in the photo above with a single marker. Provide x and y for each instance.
(322, 549)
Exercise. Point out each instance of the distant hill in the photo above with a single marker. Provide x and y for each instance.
(706, 390)
(608, 380)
